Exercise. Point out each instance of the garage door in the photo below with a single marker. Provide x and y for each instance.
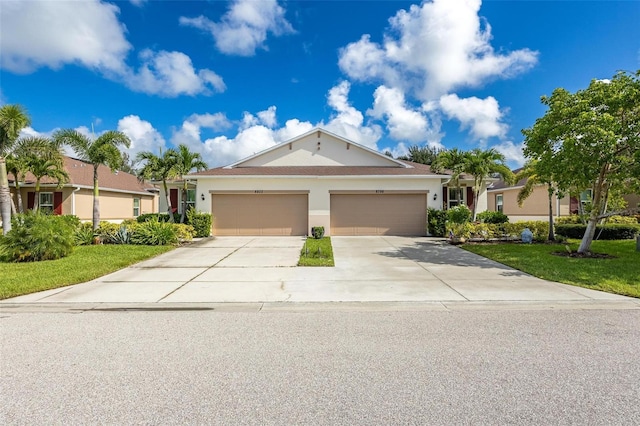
(259, 214)
(378, 214)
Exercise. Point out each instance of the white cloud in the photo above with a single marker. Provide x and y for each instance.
(432, 49)
(138, 3)
(512, 152)
(268, 117)
(481, 116)
(172, 74)
(144, 137)
(349, 122)
(244, 27)
(403, 123)
(54, 33)
(89, 34)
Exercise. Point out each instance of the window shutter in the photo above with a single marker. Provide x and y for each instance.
(31, 198)
(57, 203)
(445, 196)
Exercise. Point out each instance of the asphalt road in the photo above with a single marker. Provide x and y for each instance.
(427, 367)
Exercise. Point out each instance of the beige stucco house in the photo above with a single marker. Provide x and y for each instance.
(122, 195)
(320, 179)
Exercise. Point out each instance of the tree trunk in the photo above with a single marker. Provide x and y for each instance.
(600, 191)
(184, 202)
(5, 198)
(476, 194)
(587, 239)
(36, 197)
(166, 194)
(552, 236)
(18, 197)
(96, 199)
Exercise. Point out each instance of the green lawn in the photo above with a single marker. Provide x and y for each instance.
(620, 275)
(84, 264)
(316, 253)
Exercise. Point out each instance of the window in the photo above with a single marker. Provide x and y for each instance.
(453, 199)
(499, 203)
(136, 207)
(191, 198)
(586, 197)
(45, 202)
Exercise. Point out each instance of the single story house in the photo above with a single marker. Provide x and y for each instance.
(122, 195)
(322, 179)
(504, 198)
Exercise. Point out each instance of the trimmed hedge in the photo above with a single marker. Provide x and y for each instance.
(201, 222)
(492, 217)
(603, 232)
(160, 217)
(507, 231)
(436, 222)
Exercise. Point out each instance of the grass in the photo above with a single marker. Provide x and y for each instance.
(620, 275)
(84, 264)
(316, 253)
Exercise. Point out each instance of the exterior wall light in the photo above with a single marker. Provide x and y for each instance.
(202, 197)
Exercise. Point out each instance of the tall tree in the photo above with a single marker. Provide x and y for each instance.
(159, 168)
(535, 176)
(103, 150)
(482, 164)
(591, 139)
(13, 118)
(185, 162)
(421, 154)
(452, 161)
(17, 166)
(43, 158)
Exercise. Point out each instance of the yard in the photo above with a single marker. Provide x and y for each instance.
(84, 264)
(316, 252)
(619, 274)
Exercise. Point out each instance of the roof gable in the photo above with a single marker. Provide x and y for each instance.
(318, 148)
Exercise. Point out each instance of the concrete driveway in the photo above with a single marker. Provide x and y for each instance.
(368, 269)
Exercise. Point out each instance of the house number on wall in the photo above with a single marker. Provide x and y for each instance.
(379, 191)
(259, 191)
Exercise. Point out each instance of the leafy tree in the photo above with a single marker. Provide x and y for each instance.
(454, 162)
(13, 118)
(591, 139)
(160, 168)
(535, 175)
(421, 154)
(185, 162)
(103, 150)
(17, 166)
(482, 164)
(43, 158)
(129, 165)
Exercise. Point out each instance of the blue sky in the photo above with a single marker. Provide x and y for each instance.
(232, 78)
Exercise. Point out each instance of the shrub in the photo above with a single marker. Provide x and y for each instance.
(574, 218)
(201, 222)
(459, 214)
(460, 230)
(487, 231)
(184, 232)
(160, 217)
(83, 234)
(626, 220)
(120, 235)
(37, 236)
(436, 222)
(317, 232)
(492, 217)
(154, 233)
(603, 232)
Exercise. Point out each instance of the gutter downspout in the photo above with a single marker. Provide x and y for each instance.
(73, 200)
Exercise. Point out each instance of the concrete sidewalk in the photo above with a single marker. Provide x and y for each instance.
(368, 269)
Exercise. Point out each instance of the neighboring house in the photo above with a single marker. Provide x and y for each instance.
(122, 195)
(176, 187)
(504, 198)
(320, 179)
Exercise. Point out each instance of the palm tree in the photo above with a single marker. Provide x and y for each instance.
(13, 118)
(159, 168)
(535, 177)
(185, 162)
(482, 164)
(103, 150)
(17, 166)
(452, 161)
(43, 158)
